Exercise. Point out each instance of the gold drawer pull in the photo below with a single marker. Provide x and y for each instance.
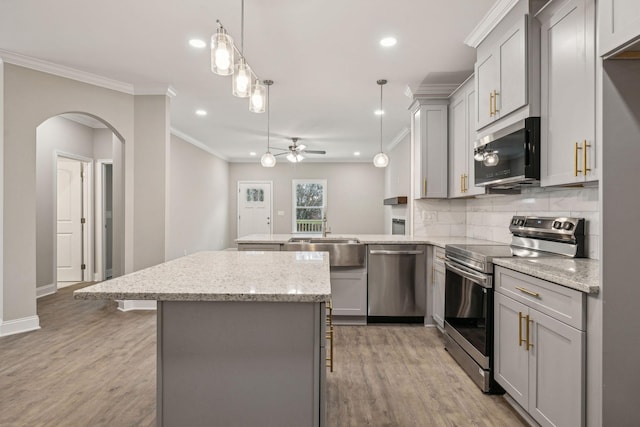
(520, 340)
(528, 292)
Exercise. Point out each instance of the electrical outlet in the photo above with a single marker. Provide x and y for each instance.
(429, 216)
(280, 213)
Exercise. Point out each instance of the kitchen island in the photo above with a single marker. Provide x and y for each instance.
(240, 336)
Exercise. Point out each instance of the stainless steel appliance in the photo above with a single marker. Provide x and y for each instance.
(396, 283)
(509, 157)
(398, 226)
(468, 321)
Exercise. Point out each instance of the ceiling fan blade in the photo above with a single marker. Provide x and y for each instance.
(281, 149)
(315, 151)
(300, 147)
(281, 154)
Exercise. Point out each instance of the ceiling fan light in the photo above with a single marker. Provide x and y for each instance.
(268, 160)
(381, 160)
(222, 53)
(258, 98)
(242, 79)
(295, 158)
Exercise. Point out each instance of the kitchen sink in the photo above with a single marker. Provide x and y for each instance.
(343, 252)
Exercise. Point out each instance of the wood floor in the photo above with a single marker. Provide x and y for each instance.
(91, 365)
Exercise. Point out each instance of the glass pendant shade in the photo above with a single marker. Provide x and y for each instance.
(295, 158)
(242, 79)
(268, 160)
(258, 99)
(222, 53)
(381, 160)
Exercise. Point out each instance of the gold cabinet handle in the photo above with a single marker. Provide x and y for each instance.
(461, 187)
(491, 113)
(575, 159)
(528, 292)
(424, 187)
(495, 102)
(584, 157)
(528, 341)
(466, 182)
(520, 340)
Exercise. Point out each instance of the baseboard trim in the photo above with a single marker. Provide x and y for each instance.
(130, 305)
(18, 326)
(43, 291)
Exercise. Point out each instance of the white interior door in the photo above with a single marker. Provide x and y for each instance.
(254, 208)
(69, 226)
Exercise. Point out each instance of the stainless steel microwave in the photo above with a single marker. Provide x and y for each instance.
(509, 157)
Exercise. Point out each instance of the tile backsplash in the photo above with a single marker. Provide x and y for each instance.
(488, 217)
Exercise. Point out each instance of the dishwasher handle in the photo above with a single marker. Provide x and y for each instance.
(387, 252)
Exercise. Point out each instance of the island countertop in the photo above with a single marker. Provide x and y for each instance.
(224, 276)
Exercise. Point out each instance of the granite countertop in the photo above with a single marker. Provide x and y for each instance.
(581, 274)
(370, 239)
(224, 276)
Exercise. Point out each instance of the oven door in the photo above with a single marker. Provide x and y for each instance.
(469, 311)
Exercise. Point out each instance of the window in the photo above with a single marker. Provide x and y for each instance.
(309, 205)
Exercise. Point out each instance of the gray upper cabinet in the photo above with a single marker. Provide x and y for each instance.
(568, 92)
(501, 74)
(429, 144)
(619, 24)
(462, 135)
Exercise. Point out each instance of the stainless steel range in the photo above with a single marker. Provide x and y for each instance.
(468, 322)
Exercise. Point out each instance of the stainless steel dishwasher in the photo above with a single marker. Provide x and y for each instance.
(396, 283)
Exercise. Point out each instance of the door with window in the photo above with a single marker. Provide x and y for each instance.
(254, 208)
(309, 205)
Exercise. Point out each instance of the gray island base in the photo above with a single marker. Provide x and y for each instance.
(241, 336)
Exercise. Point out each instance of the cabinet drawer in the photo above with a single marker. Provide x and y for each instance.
(559, 302)
(438, 256)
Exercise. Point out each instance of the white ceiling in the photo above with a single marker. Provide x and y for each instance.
(323, 55)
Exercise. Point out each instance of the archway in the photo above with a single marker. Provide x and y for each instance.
(78, 137)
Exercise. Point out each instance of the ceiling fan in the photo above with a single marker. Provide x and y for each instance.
(295, 151)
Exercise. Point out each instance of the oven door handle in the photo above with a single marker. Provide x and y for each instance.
(480, 279)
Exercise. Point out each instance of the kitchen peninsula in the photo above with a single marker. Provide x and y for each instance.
(240, 336)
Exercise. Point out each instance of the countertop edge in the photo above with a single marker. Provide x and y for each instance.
(161, 296)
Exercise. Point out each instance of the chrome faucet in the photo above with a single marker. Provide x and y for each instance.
(324, 226)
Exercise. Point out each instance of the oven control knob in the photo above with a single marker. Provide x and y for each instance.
(567, 226)
(514, 221)
(557, 225)
(521, 222)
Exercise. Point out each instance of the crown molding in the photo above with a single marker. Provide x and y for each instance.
(431, 91)
(199, 144)
(497, 12)
(64, 71)
(399, 137)
(161, 89)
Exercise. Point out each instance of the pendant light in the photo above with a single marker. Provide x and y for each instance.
(381, 160)
(268, 160)
(242, 78)
(258, 101)
(222, 52)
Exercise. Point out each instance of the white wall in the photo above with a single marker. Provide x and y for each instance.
(65, 137)
(198, 200)
(397, 182)
(355, 193)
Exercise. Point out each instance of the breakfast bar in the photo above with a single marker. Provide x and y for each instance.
(240, 336)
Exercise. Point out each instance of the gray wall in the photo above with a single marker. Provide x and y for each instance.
(198, 200)
(355, 192)
(397, 182)
(65, 137)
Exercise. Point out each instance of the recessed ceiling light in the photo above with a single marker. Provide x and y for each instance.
(201, 112)
(388, 41)
(197, 43)
(378, 112)
(253, 153)
(356, 153)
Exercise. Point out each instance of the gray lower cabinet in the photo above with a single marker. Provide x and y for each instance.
(349, 296)
(539, 343)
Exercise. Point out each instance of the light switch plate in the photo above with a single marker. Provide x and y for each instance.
(280, 213)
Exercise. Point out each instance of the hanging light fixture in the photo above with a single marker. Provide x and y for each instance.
(268, 160)
(381, 160)
(245, 83)
(222, 52)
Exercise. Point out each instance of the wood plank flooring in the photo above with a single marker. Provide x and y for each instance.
(91, 365)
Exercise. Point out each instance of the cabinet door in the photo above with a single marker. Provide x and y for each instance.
(619, 22)
(472, 190)
(420, 177)
(556, 363)
(438, 296)
(486, 71)
(434, 122)
(511, 359)
(512, 51)
(349, 293)
(568, 94)
(458, 145)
